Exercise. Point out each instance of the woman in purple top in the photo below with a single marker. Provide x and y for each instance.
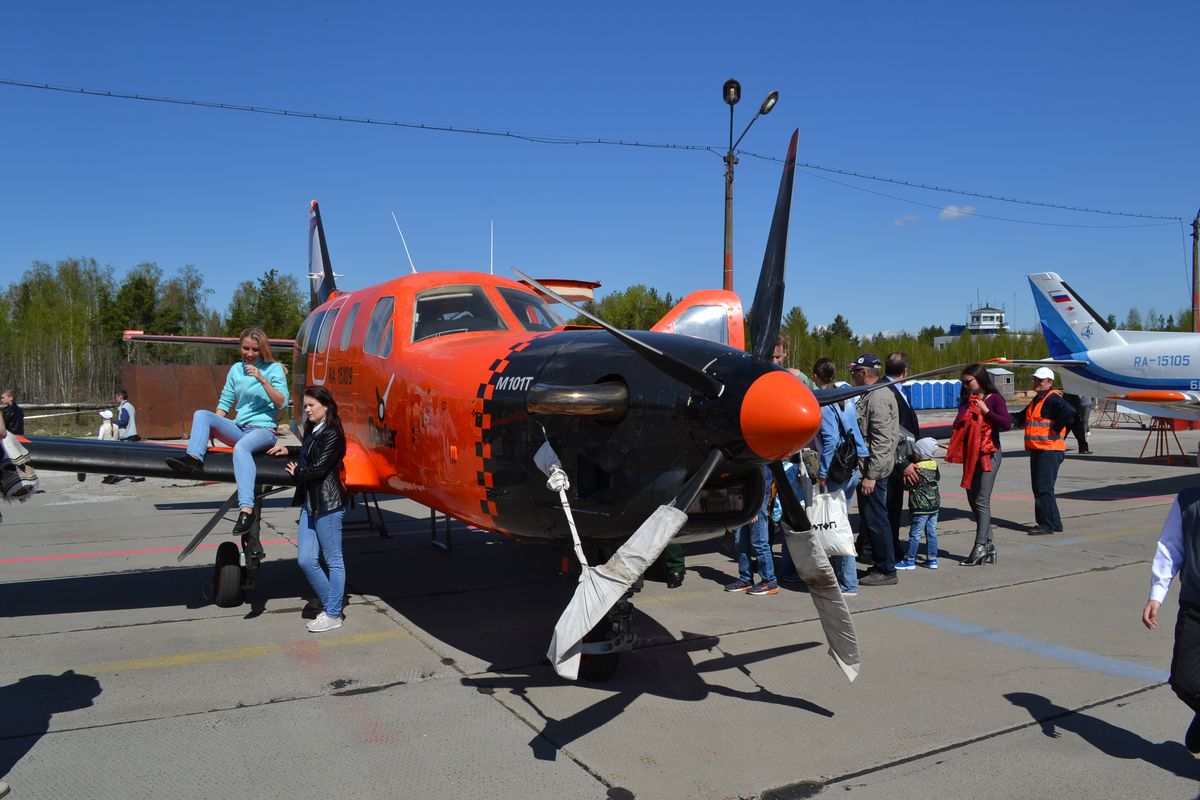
(980, 392)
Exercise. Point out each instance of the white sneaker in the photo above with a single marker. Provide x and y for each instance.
(324, 622)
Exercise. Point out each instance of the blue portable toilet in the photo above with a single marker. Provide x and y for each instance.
(927, 394)
(943, 394)
(915, 398)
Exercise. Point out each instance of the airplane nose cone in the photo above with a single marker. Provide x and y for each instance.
(779, 415)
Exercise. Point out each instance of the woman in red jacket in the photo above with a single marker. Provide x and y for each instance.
(982, 416)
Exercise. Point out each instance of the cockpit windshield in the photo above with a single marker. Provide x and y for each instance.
(453, 309)
(531, 312)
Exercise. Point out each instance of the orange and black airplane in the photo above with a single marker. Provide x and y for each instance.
(464, 392)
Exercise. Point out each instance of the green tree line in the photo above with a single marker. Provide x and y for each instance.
(61, 325)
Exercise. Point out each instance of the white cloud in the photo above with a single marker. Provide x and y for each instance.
(954, 212)
(907, 219)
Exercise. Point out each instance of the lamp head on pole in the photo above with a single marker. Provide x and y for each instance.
(732, 92)
(769, 103)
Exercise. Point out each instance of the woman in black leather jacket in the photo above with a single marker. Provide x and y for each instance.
(321, 493)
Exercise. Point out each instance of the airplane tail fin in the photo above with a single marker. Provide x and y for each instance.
(320, 271)
(1070, 325)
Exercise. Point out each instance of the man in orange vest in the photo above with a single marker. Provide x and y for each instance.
(1046, 419)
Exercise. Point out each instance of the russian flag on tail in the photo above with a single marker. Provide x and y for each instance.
(1060, 297)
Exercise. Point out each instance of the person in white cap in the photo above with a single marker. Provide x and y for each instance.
(108, 428)
(1046, 420)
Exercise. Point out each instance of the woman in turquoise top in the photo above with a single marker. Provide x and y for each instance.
(256, 390)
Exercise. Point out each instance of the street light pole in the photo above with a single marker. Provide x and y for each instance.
(732, 92)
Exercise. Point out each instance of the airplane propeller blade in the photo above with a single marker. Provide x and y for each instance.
(601, 587)
(685, 373)
(767, 310)
(827, 397)
(814, 568)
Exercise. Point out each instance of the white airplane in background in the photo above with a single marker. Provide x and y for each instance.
(1148, 372)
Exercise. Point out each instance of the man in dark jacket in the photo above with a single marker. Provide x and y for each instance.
(895, 369)
(14, 415)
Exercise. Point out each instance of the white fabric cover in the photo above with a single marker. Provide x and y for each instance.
(601, 587)
(813, 565)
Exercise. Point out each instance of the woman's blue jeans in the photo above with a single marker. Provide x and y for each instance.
(245, 440)
(323, 541)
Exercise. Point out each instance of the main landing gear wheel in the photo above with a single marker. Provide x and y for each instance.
(227, 576)
(598, 667)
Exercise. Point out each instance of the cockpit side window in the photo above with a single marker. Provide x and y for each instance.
(530, 311)
(448, 310)
(378, 341)
(704, 322)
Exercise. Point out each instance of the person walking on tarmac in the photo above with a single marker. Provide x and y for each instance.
(1178, 552)
(1046, 420)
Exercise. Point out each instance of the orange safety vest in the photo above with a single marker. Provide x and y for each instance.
(1038, 435)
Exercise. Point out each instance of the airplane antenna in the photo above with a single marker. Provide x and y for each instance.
(411, 265)
(492, 247)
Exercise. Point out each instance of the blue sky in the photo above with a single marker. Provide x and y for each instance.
(1082, 104)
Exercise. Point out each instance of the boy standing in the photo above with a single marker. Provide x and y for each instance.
(924, 502)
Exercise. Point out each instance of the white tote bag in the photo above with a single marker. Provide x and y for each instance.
(831, 523)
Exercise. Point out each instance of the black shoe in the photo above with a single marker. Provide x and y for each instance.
(990, 557)
(243, 523)
(1191, 739)
(1037, 530)
(110, 479)
(979, 554)
(137, 479)
(674, 580)
(874, 578)
(185, 464)
(1085, 452)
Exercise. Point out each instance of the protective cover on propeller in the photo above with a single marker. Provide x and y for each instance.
(601, 587)
(815, 570)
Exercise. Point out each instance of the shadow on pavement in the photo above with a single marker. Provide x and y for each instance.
(1106, 737)
(29, 704)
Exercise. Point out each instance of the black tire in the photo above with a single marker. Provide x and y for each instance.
(227, 576)
(598, 668)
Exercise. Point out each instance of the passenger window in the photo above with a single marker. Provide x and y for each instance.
(379, 327)
(531, 312)
(312, 328)
(704, 322)
(327, 326)
(453, 309)
(348, 326)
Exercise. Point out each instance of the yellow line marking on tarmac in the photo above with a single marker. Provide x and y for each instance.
(238, 653)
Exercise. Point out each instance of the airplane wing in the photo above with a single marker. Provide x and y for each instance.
(1160, 403)
(148, 459)
(142, 459)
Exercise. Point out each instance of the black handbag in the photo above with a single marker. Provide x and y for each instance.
(845, 456)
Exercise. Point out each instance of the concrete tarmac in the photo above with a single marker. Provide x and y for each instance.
(1029, 678)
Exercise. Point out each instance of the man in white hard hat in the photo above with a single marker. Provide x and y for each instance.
(1046, 420)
